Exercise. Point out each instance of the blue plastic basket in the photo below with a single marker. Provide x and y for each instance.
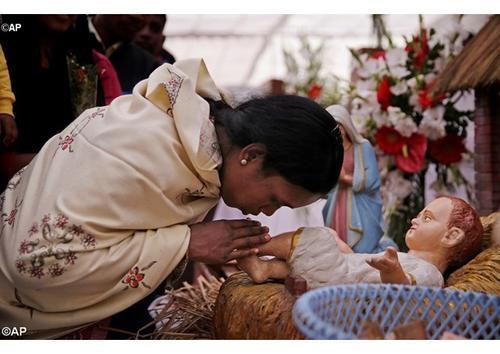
(339, 312)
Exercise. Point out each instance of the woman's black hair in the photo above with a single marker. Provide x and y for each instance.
(302, 139)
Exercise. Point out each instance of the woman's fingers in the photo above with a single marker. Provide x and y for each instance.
(249, 231)
(236, 224)
(251, 241)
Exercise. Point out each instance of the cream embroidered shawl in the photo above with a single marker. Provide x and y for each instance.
(99, 218)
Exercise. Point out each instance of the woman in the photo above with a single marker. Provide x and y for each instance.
(111, 206)
(354, 207)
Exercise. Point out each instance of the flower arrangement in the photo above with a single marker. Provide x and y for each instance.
(411, 126)
(306, 76)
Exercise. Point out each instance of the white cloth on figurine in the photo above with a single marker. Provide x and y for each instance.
(316, 257)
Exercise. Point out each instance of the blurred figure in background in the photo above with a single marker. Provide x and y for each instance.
(8, 127)
(354, 207)
(151, 38)
(112, 35)
(55, 76)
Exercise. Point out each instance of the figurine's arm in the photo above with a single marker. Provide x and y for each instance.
(343, 247)
(345, 178)
(389, 267)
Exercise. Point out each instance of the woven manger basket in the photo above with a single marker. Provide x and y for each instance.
(339, 312)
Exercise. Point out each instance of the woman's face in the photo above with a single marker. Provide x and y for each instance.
(249, 189)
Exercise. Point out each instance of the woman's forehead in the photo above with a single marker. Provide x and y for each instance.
(292, 195)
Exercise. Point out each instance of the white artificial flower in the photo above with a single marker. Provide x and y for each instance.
(432, 129)
(399, 88)
(372, 66)
(432, 124)
(396, 57)
(464, 101)
(406, 127)
(366, 85)
(397, 185)
(395, 114)
(414, 102)
(381, 118)
(399, 72)
(429, 78)
(435, 113)
(412, 83)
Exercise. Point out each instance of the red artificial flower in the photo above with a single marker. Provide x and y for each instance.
(412, 156)
(384, 93)
(133, 277)
(378, 54)
(419, 48)
(314, 91)
(448, 149)
(389, 140)
(426, 99)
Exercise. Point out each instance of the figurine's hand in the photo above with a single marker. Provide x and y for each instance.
(386, 262)
(217, 242)
(389, 267)
(8, 129)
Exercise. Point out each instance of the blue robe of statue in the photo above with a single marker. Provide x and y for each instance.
(365, 225)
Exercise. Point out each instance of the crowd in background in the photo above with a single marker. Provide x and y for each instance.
(56, 66)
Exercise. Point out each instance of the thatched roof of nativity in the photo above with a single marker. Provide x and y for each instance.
(477, 65)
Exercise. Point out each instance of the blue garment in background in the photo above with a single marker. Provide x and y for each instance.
(365, 224)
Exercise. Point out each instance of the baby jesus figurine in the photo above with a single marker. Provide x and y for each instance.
(444, 235)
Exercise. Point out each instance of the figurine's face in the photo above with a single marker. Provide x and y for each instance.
(430, 225)
(343, 133)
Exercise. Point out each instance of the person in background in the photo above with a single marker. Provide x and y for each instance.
(112, 35)
(354, 207)
(151, 38)
(55, 76)
(8, 127)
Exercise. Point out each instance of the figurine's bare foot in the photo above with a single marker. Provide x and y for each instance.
(389, 267)
(255, 267)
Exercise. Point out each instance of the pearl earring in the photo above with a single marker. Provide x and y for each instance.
(243, 162)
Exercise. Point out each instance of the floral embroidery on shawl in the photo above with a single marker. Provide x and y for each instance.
(209, 143)
(135, 276)
(189, 196)
(16, 179)
(9, 218)
(67, 141)
(173, 87)
(46, 247)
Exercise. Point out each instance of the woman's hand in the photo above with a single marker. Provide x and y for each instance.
(8, 129)
(217, 242)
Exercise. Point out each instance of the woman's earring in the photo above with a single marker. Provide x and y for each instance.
(243, 162)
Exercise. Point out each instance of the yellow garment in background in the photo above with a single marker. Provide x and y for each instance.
(6, 96)
(100, 217)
